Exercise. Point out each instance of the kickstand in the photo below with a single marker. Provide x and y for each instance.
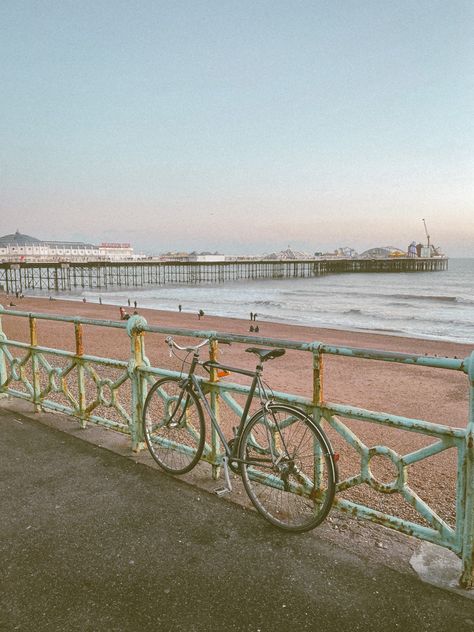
(228, 485)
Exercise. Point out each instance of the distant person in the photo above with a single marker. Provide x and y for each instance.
(135, 312)
(123, 314)
(201, 313)
(180, 307)
(129, 302)
(135, 304)
(100, 300)
(12, 304)
(84, 299)
(251, 315)
(255, 316)
(256, 329)
(251, 328)
(17, 294)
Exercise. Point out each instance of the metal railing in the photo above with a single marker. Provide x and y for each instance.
(42, 375)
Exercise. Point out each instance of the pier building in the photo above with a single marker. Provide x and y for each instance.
(18, 247)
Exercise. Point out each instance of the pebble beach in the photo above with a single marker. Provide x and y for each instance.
(438, 396)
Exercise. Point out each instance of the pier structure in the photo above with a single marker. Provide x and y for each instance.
(67, 276)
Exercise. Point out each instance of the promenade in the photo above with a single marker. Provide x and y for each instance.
(94, 541)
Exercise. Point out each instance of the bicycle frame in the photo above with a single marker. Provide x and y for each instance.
(256, 384)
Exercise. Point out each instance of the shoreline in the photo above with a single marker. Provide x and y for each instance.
(331, 331)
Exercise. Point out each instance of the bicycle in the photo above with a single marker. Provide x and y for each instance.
(286, 462)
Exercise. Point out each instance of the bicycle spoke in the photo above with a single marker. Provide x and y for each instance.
(173, 426)
(292, 491)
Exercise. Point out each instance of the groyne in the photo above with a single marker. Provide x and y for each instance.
(63, 275)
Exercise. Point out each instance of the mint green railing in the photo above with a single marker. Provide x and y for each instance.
(40, 374)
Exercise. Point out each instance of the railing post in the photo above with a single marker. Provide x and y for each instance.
(467, 577)
(135, 327)
(3, 366)
(81, 385)
(214, 378)
(317, 382)
(317, 416)
(35, 365)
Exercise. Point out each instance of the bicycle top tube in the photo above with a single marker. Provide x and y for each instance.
(263, 355)
(211, 364)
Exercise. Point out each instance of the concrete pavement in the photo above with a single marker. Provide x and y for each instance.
(93, 541)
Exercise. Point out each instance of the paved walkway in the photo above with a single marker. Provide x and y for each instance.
(92, 541)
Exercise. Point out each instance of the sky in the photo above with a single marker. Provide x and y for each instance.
(241, 127)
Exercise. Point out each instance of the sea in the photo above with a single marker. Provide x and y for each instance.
(434, 305)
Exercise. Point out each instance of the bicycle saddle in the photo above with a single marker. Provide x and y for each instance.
(266, 354)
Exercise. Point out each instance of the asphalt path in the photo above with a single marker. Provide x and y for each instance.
(92, 541)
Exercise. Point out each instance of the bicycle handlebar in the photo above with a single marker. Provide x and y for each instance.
(171, 343)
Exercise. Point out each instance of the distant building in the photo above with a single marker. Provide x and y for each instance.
(115, 252)
(206, 256)
(288, 254)
(383, 252)
(20, 247)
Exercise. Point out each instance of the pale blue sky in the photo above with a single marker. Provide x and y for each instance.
(238, 126)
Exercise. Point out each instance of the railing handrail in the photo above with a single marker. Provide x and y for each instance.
(453, 364)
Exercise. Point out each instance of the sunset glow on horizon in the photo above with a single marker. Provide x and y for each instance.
(239, 127)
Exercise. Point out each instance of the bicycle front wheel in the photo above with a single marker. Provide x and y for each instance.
(173, 425)
(287, 468)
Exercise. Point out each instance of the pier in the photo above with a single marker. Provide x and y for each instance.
(67, 276)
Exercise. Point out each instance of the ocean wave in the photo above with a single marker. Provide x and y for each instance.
(426, 297)
(403, 304)
(266, 303)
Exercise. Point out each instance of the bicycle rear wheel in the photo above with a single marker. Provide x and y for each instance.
(173, 425)
(287, 468)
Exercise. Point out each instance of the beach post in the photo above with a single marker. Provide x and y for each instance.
(138, 359)
(467, 577)
(3, 366)
(35, 364)
(214, 378)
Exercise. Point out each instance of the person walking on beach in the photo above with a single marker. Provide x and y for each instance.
(200, 314)
(179, 307)
(100, 300)
(255, 316)
(128, 302)
(135, 304)
(251, 315)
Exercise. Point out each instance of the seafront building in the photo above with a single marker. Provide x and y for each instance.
(18, 247)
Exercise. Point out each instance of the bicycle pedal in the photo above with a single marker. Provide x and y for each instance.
(222, 491)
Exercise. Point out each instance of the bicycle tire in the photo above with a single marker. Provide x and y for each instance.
(175, 437)
(297, 492)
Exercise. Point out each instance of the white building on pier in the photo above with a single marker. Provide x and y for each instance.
(18, 247)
